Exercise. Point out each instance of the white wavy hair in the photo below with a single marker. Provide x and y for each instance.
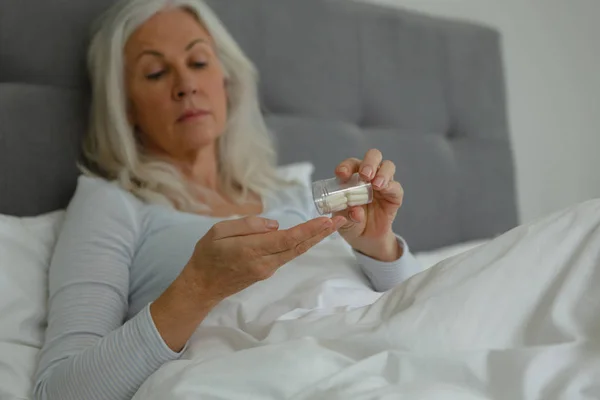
(247, 158)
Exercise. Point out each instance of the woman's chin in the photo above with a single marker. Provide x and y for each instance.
(195, 139)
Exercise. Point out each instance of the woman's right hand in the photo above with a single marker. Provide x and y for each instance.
(235, 254)
(232, 256)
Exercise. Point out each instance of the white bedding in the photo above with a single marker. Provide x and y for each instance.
(516, 318)
(430, 258)
(26, 246)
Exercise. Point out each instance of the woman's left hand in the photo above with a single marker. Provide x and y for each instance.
(369, 227)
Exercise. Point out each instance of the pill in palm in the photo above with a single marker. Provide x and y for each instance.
(333, 195)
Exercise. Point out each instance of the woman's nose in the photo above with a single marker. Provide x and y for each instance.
(184, 88)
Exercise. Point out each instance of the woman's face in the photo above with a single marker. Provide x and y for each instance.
(175, 85)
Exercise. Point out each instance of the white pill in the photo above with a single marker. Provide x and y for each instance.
(359, 197)
(338, 208)
(338, 195)
(334, 202)
(357, 203)
(353, 194)
(337, 205)
(359, 190)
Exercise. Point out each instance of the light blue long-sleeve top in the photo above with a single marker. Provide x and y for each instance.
(114, 256)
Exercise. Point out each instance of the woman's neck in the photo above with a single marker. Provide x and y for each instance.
(202, 168)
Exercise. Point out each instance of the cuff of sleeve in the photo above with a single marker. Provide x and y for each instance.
(385, 275)
(151, 339)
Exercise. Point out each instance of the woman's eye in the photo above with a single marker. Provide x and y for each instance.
(155, 76)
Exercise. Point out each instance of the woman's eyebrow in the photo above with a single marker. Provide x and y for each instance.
(195, 42)
(150, 52)
(161, 55)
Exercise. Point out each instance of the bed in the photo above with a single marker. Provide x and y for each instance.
(337, 78)
(429, 92)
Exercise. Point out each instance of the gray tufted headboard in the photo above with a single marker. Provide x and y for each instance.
(337, 78)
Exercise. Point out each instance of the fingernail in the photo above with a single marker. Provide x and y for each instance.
(378, 181)
(327, 224)
(271, 224)
(367, 171)
(343, 170)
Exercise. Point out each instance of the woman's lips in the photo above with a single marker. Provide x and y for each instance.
(192, 114)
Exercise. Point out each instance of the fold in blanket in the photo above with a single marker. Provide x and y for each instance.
(517, 318)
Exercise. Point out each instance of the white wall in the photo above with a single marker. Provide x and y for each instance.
(552, 58)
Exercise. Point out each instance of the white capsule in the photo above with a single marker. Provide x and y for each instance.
(358, 200)
(357, 203)
(336, 195)
(341, 207)
(337, 206)
(350, 195)
(360, 190)
(335, 201)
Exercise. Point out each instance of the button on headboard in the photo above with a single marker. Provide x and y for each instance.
(337, 78)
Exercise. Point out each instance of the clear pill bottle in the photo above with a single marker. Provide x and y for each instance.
(333, 195)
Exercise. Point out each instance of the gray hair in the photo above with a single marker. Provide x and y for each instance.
(246, 151)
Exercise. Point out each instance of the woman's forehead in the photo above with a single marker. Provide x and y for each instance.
(173, 27)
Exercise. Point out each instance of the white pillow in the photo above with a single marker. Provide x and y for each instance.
(301, 172)
(26, 246)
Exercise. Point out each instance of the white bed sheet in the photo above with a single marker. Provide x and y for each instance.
(430, 258)
(308, 334)
(516, 318)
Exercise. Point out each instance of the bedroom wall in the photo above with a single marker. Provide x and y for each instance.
(552, 62)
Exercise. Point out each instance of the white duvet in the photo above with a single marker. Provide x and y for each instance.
(517, 318)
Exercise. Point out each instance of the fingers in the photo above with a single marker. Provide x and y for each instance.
(356, 215)
(289, 239)
(242, 227)
(279, 241)
(347, 167)
(370, 164)
(367, 167)
(286, 256)
(352, 214)
(394, 193)
(384, 175)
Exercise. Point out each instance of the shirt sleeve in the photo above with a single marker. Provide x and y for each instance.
(89, 352)
(382, 275)
(386, 275)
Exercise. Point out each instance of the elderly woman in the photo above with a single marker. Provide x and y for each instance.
(184, 206)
